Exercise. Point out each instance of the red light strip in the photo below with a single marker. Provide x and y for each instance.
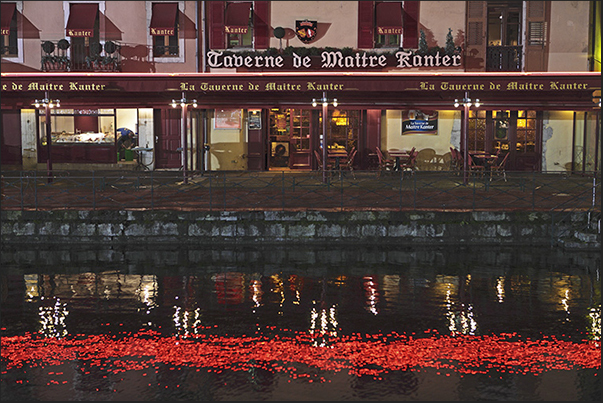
(355, 354)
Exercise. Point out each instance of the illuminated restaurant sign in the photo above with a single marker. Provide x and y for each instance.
(537, 86)
(333, 60)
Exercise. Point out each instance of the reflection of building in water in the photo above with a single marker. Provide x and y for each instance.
(230, 287)
(84, 292)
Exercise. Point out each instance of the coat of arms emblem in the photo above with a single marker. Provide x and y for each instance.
(306, 30)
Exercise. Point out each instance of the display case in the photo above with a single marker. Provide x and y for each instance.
(79, 135)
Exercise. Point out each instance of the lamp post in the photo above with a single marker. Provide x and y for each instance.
(325, 110)
(184, 104)
(47, 104)
(466, 102)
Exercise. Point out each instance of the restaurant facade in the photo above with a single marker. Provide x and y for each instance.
(245, 85)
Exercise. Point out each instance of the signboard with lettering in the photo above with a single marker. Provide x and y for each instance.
(420, 122)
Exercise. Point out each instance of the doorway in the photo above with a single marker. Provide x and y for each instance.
(289, 138)
(518, 133)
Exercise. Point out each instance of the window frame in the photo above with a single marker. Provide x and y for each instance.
(18, 58)
(250, 32)
(151, 39)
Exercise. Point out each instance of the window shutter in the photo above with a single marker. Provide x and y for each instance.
(366, 23)
(536, 44)
(261, 24)
(410, 38)
(217, 37)
(475, 43)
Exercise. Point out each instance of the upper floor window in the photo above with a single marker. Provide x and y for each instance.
(388, 24)
(239, 25)
(504, 23)
(9, 30)
(164, 30)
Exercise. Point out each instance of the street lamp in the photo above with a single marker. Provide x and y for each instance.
(325, 106)
(466, 102)
(48, 104)
(184, 104)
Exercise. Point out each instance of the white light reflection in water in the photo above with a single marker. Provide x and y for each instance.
(278, 289)
(565, 304)
(372, 295)
(187, 322)
(31, 287)
(323, 325)
(52, 319)
(500, 289)
(461, 319)
(595, 322)
(256, 294)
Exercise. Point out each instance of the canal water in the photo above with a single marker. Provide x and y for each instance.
(292, 322)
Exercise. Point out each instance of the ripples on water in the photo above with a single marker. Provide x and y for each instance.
(300, 323)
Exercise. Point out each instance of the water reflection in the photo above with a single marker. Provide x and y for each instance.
(380, 324)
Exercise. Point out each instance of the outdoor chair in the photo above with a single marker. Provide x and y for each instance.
(456, 161)
(410, 164)
(385, 164)
(425, 159)
(476, 168)
(319, 161)
(499, 167)
(350, 162)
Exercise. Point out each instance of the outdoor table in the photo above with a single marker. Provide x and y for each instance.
(139, 152)
(399, 155)
(483, 158)
(339, 155)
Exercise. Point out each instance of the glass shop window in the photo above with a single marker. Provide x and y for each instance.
(79, 126)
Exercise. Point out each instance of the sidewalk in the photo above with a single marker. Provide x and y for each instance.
(295, 191)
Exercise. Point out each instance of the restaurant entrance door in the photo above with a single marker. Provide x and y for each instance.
(289, 138)
(518, 133)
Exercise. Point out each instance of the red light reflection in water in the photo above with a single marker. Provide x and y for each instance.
(371, 355)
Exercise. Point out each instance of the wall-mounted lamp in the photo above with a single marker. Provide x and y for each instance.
(324, 101)
(184, 104)
(47, 104)
(51, 103)
(325, 104)
(467, 103)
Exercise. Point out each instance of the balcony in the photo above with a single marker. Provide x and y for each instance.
(61, 55)
(503, 58)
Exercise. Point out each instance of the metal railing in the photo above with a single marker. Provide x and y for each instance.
(286, 190)
(503, 58)
(62, 55)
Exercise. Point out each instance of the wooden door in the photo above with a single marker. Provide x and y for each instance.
(167, 138)
(11, 138)
(256, 144)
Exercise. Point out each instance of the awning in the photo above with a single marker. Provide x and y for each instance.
(237, 17)
(163, 21)
(81, 20)
(8, 9)
(389, 18)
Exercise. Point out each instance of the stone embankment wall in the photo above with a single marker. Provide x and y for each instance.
(247, 227)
